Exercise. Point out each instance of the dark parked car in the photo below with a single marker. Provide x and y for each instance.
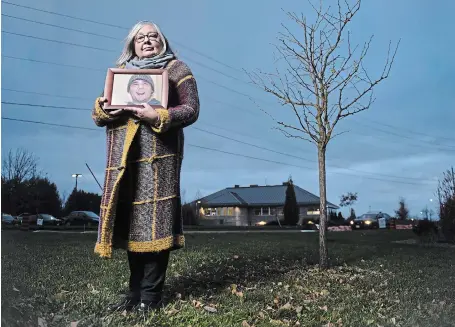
(370, 220)
(82, 218)
(49, 220)
(46, 219)
(8, 219)
(21, 216)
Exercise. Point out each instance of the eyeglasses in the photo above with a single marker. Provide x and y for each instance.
(141, 38)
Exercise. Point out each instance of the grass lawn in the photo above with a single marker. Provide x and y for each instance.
(235, 280)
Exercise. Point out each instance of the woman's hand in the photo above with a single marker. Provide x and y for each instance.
(147, 113)
(117, 112)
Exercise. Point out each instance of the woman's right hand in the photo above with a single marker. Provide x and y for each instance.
(102, 102)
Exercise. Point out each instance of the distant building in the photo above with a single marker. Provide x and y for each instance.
(255, 205)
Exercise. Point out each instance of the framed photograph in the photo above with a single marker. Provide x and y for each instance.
(134, 87)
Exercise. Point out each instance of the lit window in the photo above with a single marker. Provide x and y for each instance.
(313, 211)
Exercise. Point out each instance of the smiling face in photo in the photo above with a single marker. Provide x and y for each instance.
(141, 91)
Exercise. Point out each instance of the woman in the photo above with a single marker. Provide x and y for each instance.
(140, 206)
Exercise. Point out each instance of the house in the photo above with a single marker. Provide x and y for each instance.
(255, 205)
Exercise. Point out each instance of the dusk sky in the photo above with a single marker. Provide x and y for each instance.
(398, 148)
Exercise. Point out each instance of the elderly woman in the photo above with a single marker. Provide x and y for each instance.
(141, 207)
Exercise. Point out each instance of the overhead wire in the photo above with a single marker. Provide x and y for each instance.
(120, 27)
(110, 37)
(95, 34)
(227, 152)
(228, 138)
(125, 28)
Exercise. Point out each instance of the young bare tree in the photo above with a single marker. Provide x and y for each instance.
(324, 80)
(19, 165)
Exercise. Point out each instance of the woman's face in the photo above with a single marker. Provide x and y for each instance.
(141, 91)
(147, 42)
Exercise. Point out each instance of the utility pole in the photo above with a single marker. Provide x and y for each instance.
(91, 172)
(76, 176)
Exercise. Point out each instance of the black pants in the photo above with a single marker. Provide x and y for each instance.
(148, 272)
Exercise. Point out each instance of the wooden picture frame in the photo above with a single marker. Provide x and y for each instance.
(125, 88)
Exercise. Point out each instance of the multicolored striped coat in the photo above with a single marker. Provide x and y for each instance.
(141, 206)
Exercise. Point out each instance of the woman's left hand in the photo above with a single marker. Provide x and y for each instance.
(148, 113)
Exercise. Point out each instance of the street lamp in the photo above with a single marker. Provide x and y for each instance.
(76, 176)
(198, 203)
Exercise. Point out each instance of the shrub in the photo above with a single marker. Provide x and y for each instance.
(446, 196)
(426, 230)
(189, 215)
(447, 213)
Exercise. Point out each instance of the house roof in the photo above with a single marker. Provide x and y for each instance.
(260, 196)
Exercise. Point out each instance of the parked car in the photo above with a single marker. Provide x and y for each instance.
(81, 218)
(370, 220)
(8, 219)
(21, 216)
(47, 220)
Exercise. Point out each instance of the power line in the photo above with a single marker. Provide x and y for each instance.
(430, 144)
(233, 106)
(449, 148)
(411, 131)
(57, 41)
(301, 158)
(120, 27)
(115, 38)
(53, 63)
(44, 106)
(46, 94)
(73, 66)
(109, 50)
(61, 27)
(419, 143)
(216, 150)
(50, 124)
(231, 139)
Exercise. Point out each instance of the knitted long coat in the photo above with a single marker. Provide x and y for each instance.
(141, 206)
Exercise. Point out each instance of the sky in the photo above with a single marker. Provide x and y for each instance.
(397, 148)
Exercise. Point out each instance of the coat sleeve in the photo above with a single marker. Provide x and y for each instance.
(187, 110)
(99, 116)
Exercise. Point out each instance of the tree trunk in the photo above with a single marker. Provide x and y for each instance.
(323, 252)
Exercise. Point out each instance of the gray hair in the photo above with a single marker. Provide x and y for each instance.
(128, 49)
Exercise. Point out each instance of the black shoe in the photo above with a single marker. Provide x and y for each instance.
(148, 306)
(127, 303)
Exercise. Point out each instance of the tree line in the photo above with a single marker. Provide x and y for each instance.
(26, 189)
